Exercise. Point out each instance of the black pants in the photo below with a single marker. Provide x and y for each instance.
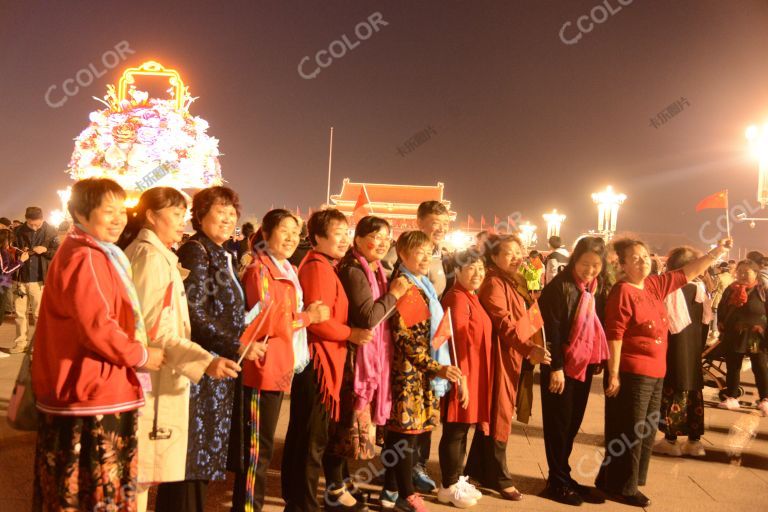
(733, 362)
(453, 449)
(487, 462)
(423, 446)
(631, 422)
(562, 416)
(305, 444)
(403, 450)
(336, 471)
(186, 496)
(264, 405)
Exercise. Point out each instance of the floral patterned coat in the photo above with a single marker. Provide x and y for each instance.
(415, 407)
(217, 314)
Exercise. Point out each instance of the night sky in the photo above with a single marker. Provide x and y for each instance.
(520, 120)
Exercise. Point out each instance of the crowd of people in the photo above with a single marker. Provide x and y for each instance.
(162, 359)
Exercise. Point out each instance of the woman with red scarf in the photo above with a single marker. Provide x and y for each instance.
(571, 304)
(742, 320)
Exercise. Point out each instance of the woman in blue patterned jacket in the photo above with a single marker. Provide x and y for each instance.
(216, 312)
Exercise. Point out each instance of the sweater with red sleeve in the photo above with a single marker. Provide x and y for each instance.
(638, 318)
(274, 371)
(327, 340)
(85, 349)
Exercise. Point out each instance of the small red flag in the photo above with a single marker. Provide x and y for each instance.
(530, 323)
(470, 221)
(412, 307)
(262, 325)
(716, 200)
(362, 206)
(443, 332)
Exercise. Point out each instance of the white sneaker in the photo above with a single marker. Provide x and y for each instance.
(471, 491)
(3, 355)
(762, 406)
(456, 495)
(730, 403)
(693, 449)
(664, 447)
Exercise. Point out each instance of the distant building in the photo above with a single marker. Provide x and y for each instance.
(395, 203)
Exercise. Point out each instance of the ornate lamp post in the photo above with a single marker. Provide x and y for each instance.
(528, 235)
(758, 141)
(608, 203)
(554, 222)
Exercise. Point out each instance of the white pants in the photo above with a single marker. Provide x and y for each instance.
(26, 296)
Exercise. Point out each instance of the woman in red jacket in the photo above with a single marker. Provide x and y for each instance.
(90, 343)
(315, 390)
(469, 403)
(271, 282)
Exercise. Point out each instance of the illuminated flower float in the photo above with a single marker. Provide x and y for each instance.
(141, 142)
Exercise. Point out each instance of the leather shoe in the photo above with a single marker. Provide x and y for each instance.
(638, 500)
(565, 495)
(513, 495)
(587, 493)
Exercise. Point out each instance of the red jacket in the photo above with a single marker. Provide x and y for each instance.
(273, 372)
(327, 340)
(85, 352)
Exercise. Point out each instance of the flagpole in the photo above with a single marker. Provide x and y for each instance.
(453, 341)
(330, 158)
(389, 312)
(727, 219)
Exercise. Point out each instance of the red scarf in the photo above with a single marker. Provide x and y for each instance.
(740, 294)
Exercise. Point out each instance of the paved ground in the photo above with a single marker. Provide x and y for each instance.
(715, 483)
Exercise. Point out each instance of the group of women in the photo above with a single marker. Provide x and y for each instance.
(155, 367)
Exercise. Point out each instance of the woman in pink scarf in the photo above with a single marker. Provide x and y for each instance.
(366, 398)
(571, 305)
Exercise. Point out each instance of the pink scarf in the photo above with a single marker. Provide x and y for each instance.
(586, 343)
(372, 366)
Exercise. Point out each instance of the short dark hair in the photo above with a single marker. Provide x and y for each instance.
(206, 198)
(593, 244)
(269, 223)
(752, 264)
(623, 244)
(495, 241)
(247, 229)
(462, 259)
(33, 213)
(755, 256)
(681, 256)
(64, 226)
(370, 224)
(410, 240)
(431, 208)
(5, 221)
(88, 194)
(320, 221)
(555, 242)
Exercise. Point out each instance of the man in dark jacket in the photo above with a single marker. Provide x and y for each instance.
(39, 240)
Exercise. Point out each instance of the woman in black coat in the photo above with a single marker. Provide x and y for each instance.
(572, 306)
(216, 312)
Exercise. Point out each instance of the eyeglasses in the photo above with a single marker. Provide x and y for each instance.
(377, 238)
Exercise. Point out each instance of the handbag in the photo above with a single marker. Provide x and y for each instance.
(22, 411)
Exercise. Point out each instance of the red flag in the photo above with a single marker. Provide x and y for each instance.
(443, 331)
(412, 307)
(530, 323)
(262, 325)
(482, 221)
(470, 221)
(362, 206)
(298, 212)
(717, 200)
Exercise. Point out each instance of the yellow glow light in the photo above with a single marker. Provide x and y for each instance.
(151, 68)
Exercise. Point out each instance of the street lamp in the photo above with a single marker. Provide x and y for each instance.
(528, 235)
(608, 203)
(554, 221)
(758, 141)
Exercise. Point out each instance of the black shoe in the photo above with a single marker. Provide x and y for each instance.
(588, 494)
(565, 495)
(638, 500)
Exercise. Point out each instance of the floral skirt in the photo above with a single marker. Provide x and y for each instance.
(682, 412)
(86, 462)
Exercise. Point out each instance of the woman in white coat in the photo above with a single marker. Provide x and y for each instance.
(157, 224)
